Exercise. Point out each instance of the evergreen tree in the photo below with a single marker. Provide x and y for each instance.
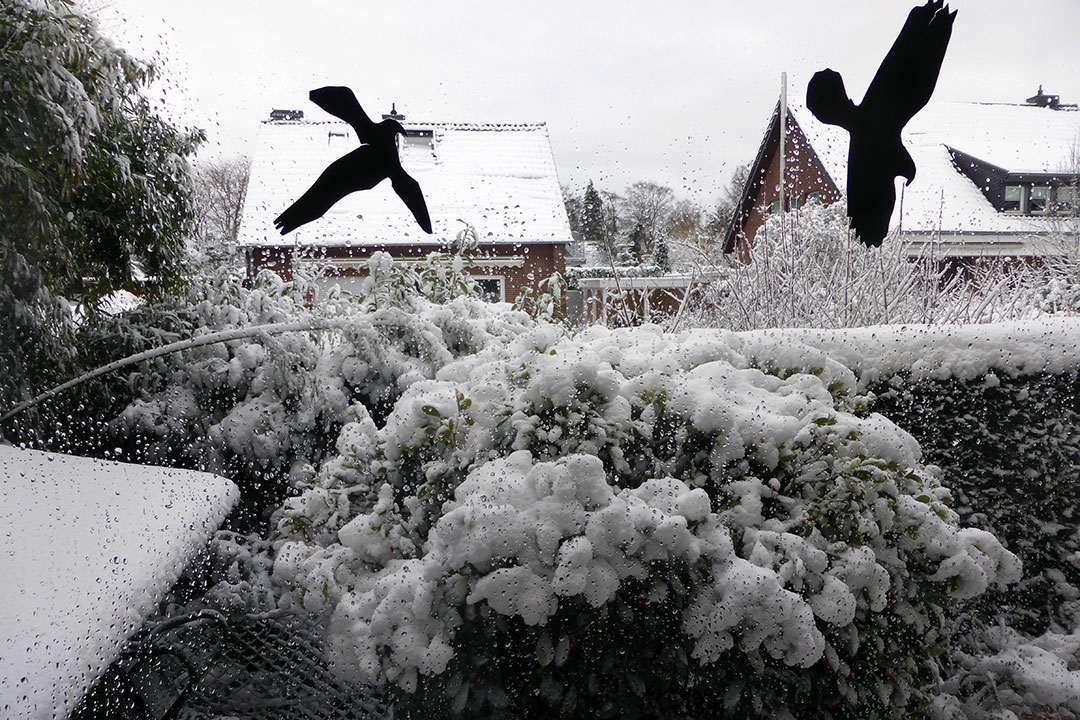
(592, 216)
(636, 246)
(595, 223)
(661, 255)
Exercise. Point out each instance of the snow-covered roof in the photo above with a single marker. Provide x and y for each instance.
(89, 549)
(1019, 138)
(498, 178)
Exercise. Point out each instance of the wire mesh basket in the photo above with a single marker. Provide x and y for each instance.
(206, 666)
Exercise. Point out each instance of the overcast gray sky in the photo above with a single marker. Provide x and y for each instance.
(677, 92)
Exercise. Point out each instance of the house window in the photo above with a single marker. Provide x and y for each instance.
(1014, 196)
(1065, 199)
(419, 140)
(1028, 199)
(492, 289)
(1038, 199)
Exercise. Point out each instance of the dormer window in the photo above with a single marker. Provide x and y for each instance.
(1020, 193)
(419, 138)
(1027, 199)
(1065, 200)
(1038, 199)
(1014, 199)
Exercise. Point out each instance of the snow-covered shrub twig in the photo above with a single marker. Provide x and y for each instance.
(806, 269)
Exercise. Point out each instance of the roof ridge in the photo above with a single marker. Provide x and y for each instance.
(444, 125)
(1071, 107)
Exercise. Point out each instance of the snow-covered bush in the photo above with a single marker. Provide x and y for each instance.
(627, 523)
(265, 409)
(806, 269)
(1001, 673)
(1059, 291)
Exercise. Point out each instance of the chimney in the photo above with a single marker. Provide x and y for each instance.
(1043, 100)
(393, 114)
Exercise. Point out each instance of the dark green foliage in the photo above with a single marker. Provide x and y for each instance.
(94, 187)
(627, 659)
(661, 255)
(592, 217)
(1010, 451)
(636, 246)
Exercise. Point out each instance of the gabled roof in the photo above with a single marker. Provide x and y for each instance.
(941, 199)
(1019, 138)
(827, 152)
(498, 178)
(942, 202)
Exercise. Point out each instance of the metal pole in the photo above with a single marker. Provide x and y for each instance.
(783, 141)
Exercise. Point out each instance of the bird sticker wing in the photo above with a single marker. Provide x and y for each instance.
(342, 103)
(348, 174)
(409, 191)
(907, 76)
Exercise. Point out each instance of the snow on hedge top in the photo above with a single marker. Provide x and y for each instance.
(1017, 138)
(500, 179)
(963, 352)
(90, 547)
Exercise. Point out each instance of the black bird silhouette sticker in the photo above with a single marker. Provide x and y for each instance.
(902, 86)
(362, 169)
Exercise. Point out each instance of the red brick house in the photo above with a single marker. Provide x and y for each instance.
(992, 179)
(500, 179)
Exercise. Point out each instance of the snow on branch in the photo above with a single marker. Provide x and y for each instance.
(180, 346)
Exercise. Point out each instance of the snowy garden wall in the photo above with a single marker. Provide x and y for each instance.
(495, 515)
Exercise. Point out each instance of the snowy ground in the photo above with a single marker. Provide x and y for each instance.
(89, 548)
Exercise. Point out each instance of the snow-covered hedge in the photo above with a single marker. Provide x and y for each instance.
(627, 523)
(997, 408)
